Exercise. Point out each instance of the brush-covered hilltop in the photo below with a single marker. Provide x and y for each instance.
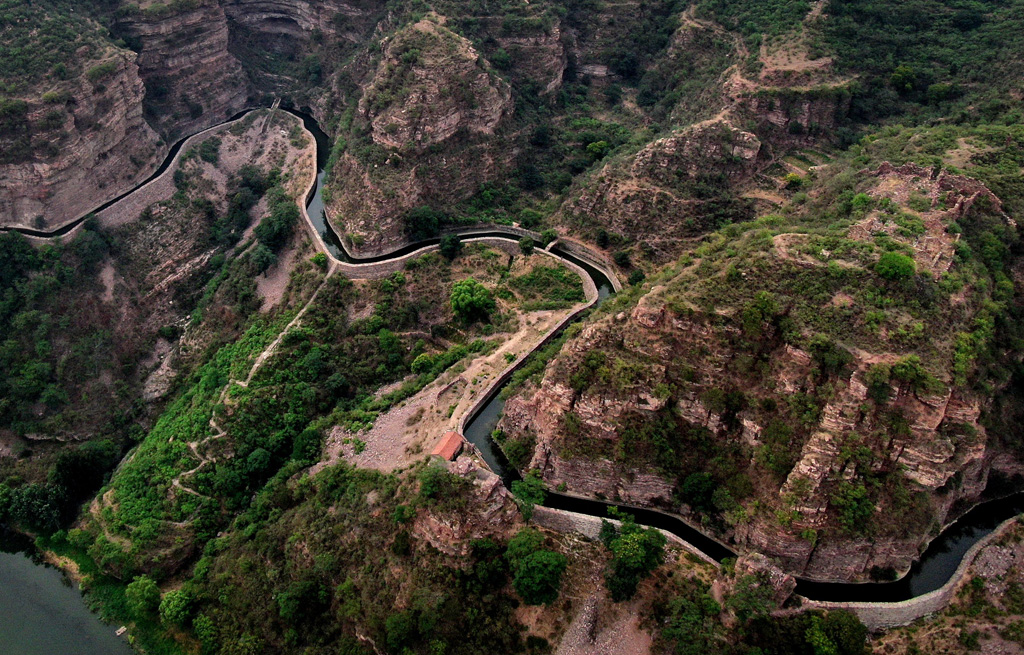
(225, 433)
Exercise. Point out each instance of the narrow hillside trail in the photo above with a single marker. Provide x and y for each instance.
(218, 432)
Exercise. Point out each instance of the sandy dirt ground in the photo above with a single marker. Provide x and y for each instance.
(412, 429)
(586, 621)
(272, 284)
(617, 634)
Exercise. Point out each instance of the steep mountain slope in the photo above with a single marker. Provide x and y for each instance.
(816, 356)
(815, 379)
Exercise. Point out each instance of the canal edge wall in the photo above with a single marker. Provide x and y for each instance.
(560, 520)
(880, 616)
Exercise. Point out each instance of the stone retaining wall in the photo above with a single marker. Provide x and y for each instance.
(131, 206)
(876, 616)
(590, 527)
(159, 188)
(594, 259)
(879, 616)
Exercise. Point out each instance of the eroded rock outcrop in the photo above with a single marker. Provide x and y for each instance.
(434, 111)
(192, 80)
(852, 448)
(495, 513)
(91, 143)
(429, 86)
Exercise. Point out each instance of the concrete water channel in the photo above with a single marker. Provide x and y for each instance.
(42, 614)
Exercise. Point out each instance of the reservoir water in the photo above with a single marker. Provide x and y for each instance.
(43, 613)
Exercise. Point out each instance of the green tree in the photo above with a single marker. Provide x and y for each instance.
(526, 246)
(263, 258)
(175, 607)
(911, 372)
(501, 60)
(846, 631)
(451, 246)
(759, 311)
(300, 600)
(636, 551)
(471, 300)
(538, 577)
(423, 223)
(143, 596)
(598, 149)
(895, 267)
(830, 358)
(537, 571)
(274, 230)
(903, 79)
(855, 507)
(753, 596)
(819, 640)
(697, 491)
(692, 622)
(206, 631)
(423, 363)
(877, 380)
(399, 628)
(529, 491)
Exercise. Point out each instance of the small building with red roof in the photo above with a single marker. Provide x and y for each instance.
(450, 445)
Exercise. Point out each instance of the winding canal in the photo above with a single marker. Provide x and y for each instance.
(935, 567)
(38, 608)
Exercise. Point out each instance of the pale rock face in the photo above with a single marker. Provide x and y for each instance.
(193, 80)
(781, 582)
(691, 149)
(437, 111)
(542, 58)
(108, 149)
(624, 196)
(442, 91)
(810, 113)
(495, 513)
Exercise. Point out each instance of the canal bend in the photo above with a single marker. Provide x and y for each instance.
(936, 566)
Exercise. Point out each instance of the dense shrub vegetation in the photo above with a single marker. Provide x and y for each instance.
(40, 39)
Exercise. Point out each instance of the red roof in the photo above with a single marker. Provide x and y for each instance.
(449, 446)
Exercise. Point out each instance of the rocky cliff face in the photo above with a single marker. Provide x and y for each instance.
(284, 26)
(850, 449)
(495, 513)
(540, 58)
(429, 86)
(943, 441)
(89, 143)
(431, 118)
(192, 80)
